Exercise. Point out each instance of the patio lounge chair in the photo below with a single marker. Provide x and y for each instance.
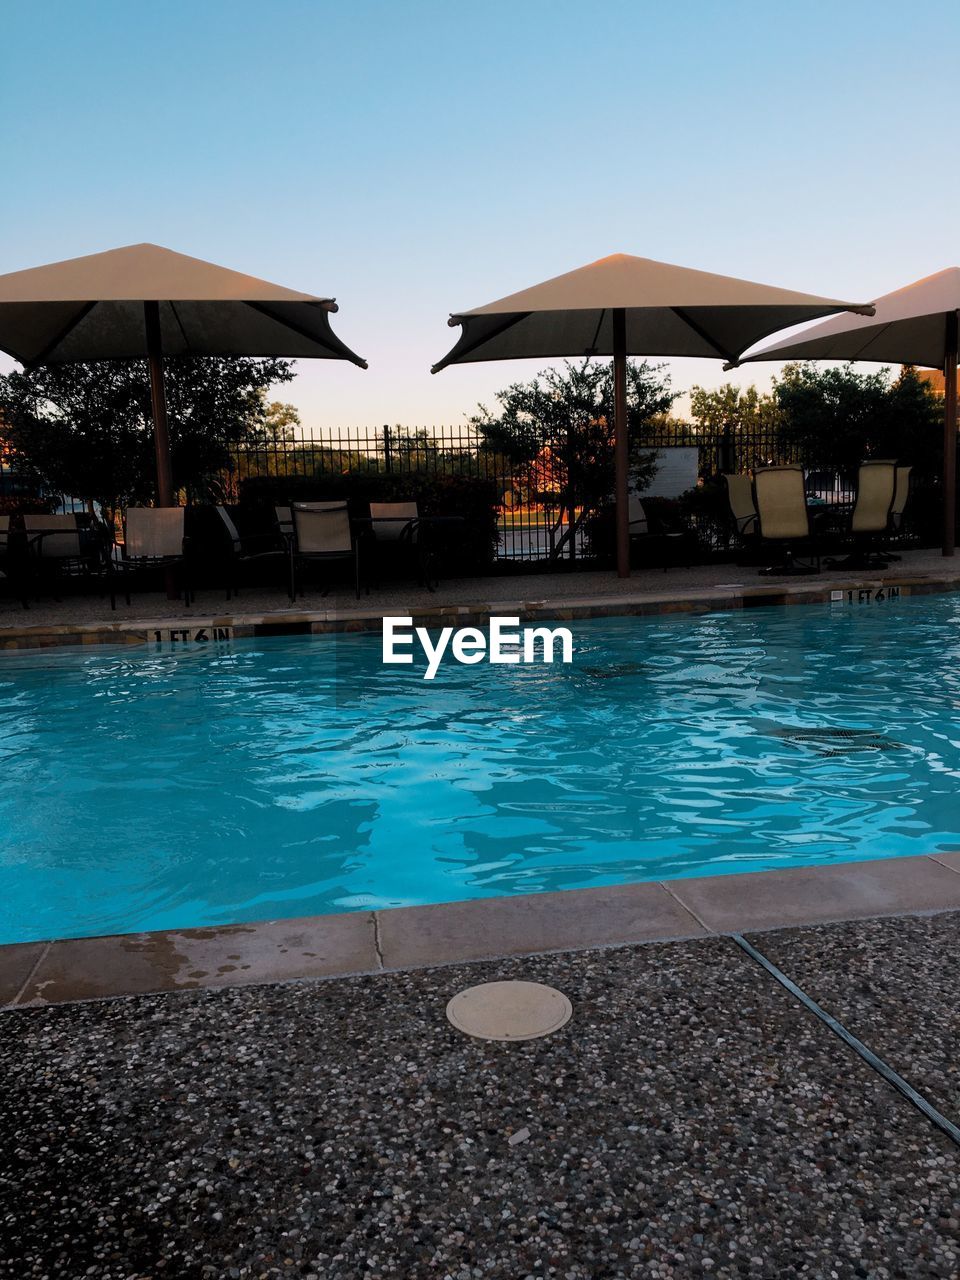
(154, 539)
(783, 519)
(252, 549)
(742, 506)
(322, 535)
(870, 521)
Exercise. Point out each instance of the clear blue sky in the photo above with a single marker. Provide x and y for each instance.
(421, 157)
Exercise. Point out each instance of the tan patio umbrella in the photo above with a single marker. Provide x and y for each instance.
(913, 325)
(623, 306)
(146, 301)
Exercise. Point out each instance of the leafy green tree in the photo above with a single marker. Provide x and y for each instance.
(557, 434)
(729, 422)
(281, 421)
(87, 430)
(412, 450)
(712, 408)
(270, 446)
(715, 409)
(836, 417)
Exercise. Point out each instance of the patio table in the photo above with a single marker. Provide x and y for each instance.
(830, 517)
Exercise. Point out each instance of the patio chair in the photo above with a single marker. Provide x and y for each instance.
(254, 548)
(742, 506)
(12, 567)
(783, 519)
(60, 549)
(394, 521)
(53, 537)
(154, 539)
(901, 496)
(322, 535)
(870, 521)
(671, 545)
(398, 537)
(284, 516)
(284, 519)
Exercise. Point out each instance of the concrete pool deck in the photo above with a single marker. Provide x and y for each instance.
(152, 619)
(691, 1120)
(409, 938)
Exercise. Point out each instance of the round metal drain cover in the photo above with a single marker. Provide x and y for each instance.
(509, 1010)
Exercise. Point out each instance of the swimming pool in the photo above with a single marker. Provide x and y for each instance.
(294, 776)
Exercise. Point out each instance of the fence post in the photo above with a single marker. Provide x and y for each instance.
(387, 462)
(726, 458)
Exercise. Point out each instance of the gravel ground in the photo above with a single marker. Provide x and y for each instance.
(894, 984)
(405, 595)
(691, 1120)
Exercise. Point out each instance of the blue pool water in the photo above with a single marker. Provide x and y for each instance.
(288, 777)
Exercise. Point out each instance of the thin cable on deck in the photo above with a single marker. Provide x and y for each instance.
(892, 1077)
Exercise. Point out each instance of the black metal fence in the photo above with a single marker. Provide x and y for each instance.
(453, 450)
(529, 529)
(531, 523)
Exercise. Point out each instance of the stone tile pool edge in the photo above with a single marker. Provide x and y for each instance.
(239, 625)
(38, 974)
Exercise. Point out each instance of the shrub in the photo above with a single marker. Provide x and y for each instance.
(26, 504)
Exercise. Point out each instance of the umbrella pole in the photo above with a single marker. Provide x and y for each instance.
(950, 434)
(161, 438)
(621, 442)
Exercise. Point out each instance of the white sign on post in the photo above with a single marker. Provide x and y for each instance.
(678, 468)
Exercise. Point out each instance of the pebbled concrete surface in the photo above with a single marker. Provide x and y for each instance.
(893, 983)
(691, 1120)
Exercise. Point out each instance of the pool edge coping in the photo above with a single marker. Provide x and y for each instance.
(238, 625)
(402, 939)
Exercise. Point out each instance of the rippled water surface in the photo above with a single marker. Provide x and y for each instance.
(289, 777)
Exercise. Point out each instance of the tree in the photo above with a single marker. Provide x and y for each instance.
(87, 429)
(715, 410)
(835, 418)
(270, 447)
(557, 434)
(280, 420)
(731, 421)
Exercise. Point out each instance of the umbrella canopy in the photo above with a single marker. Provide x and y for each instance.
(624, 305)
(147, 301)
(914, 325)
